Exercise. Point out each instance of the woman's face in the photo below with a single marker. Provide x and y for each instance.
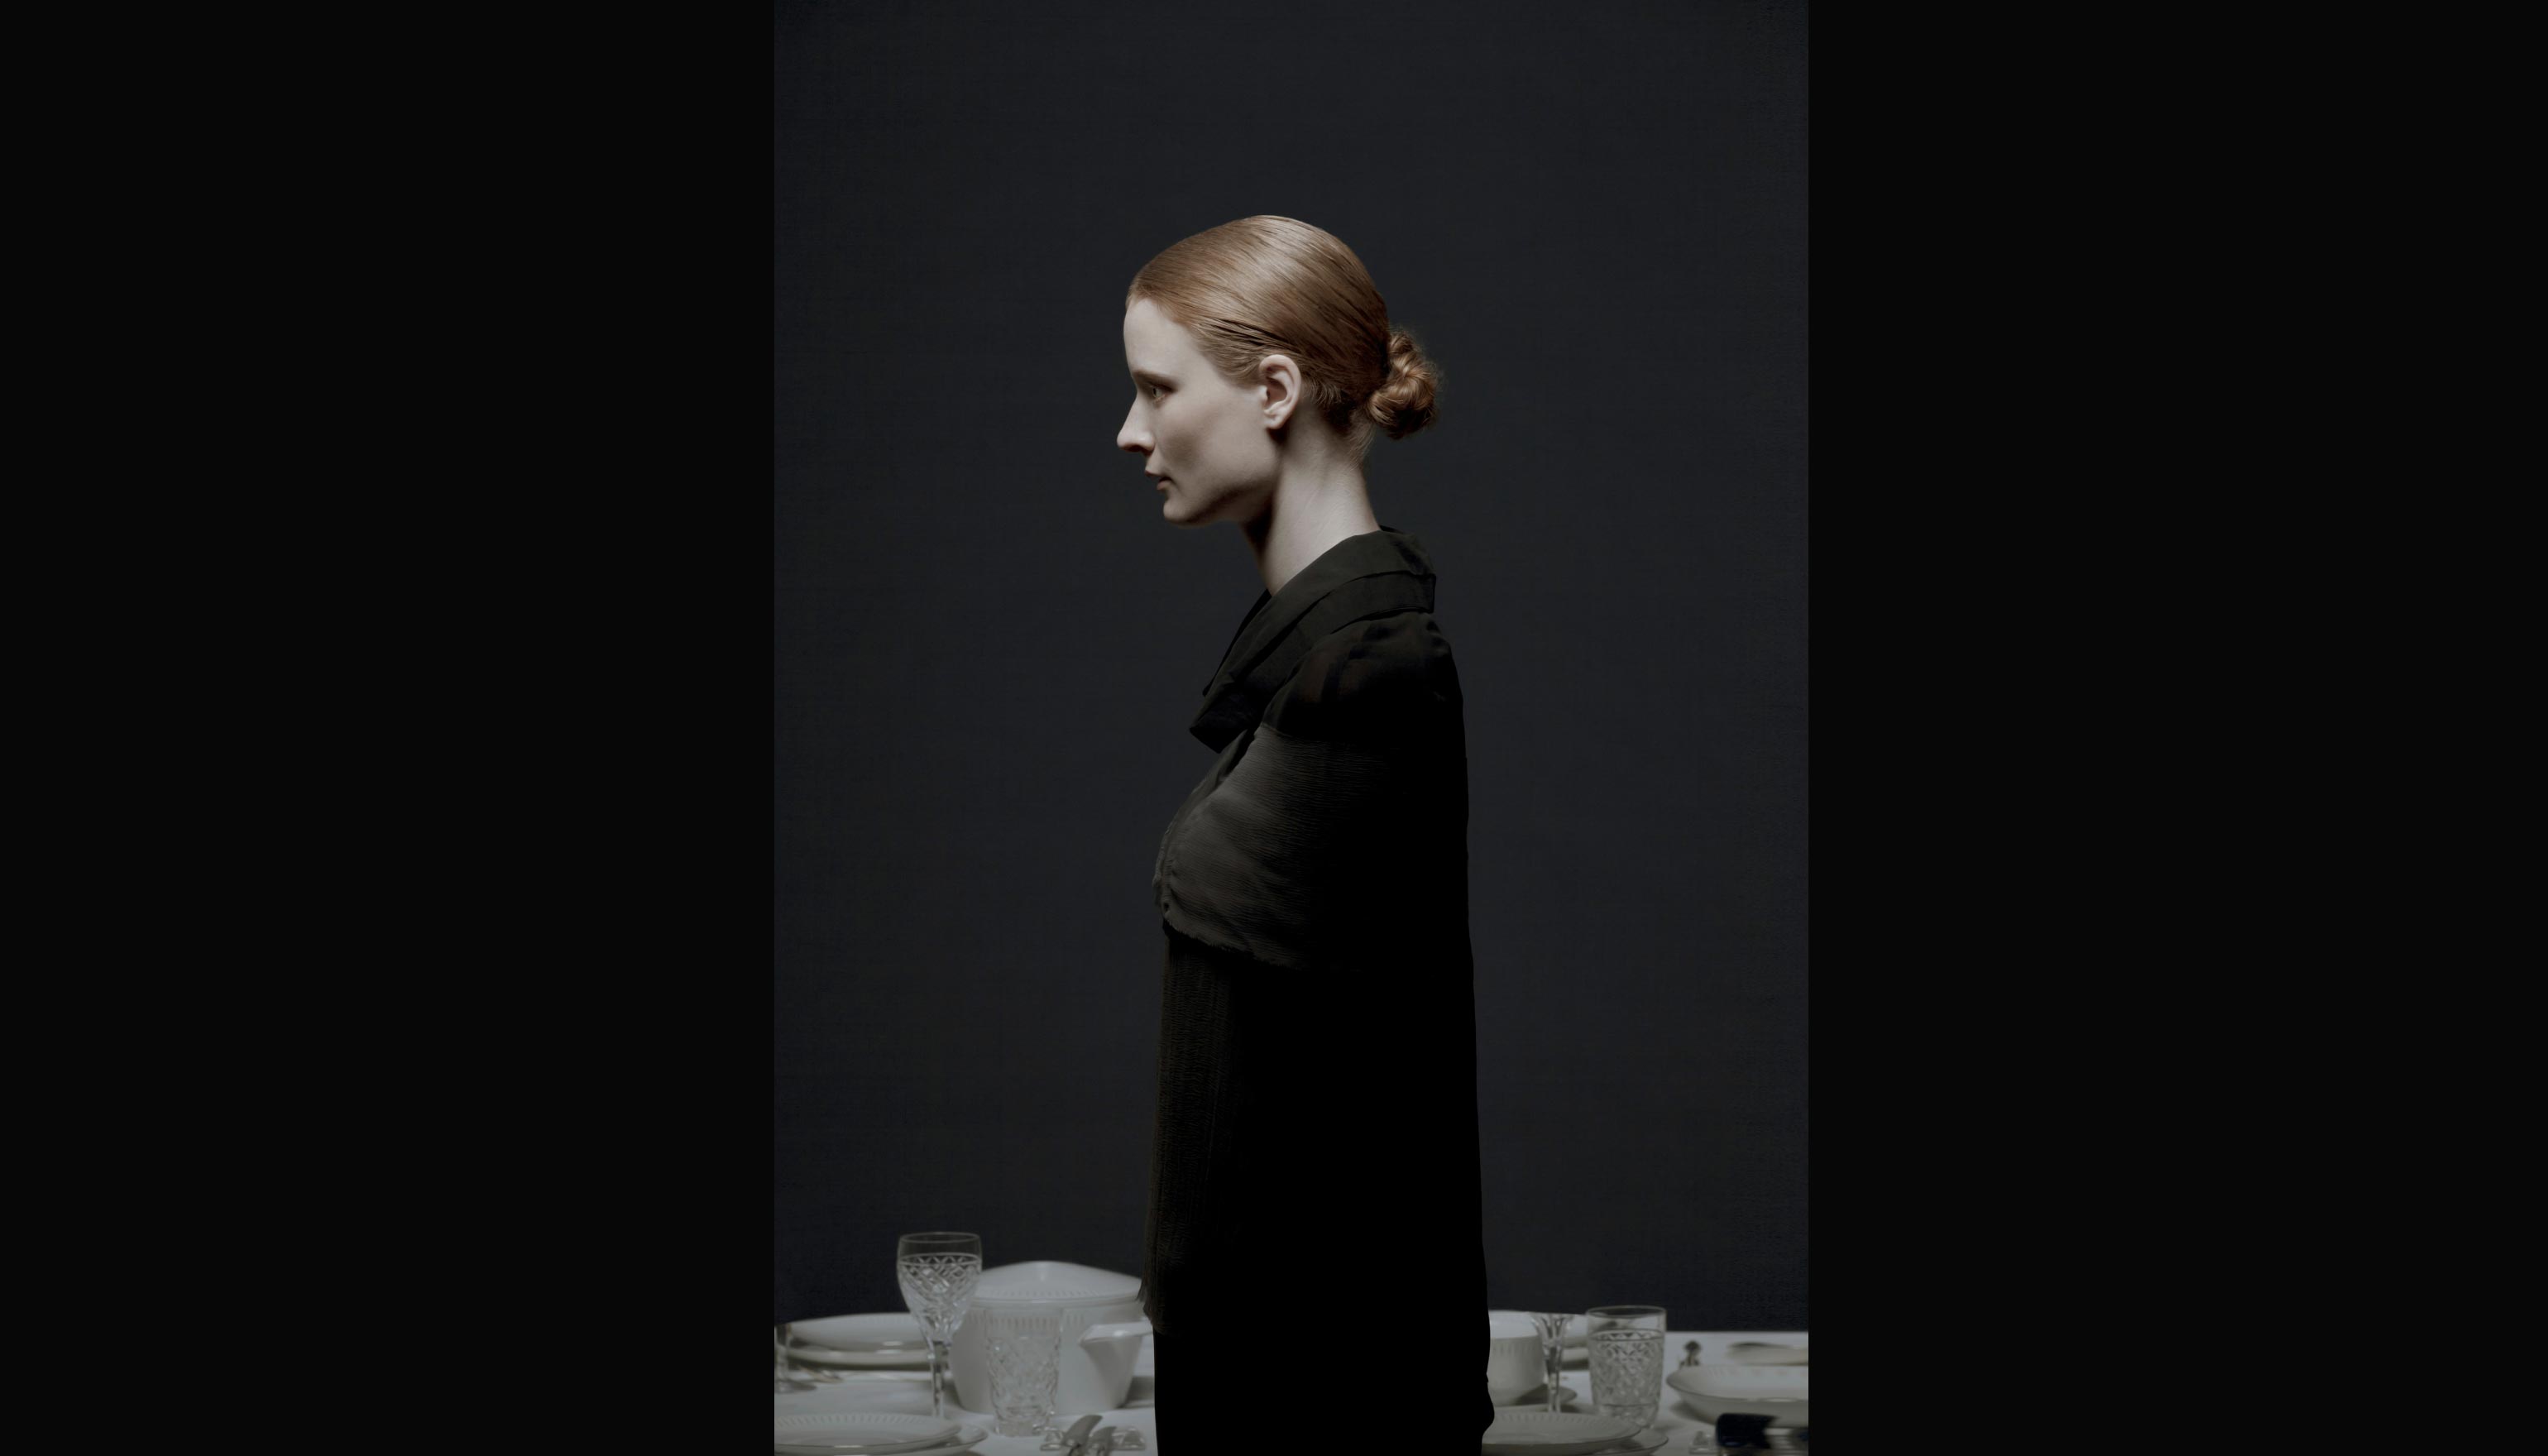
(1206, 442)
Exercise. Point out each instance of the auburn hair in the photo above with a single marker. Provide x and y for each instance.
(1266, 285)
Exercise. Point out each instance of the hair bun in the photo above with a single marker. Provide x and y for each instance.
(1404, 402)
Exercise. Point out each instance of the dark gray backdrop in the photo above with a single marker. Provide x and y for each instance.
(987, 646)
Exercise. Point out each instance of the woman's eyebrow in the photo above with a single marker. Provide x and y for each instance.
(1158, 378)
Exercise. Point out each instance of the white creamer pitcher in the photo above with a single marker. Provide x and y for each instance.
(1101, 1333)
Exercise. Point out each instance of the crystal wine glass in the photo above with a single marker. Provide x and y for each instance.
(937, 1272)
(1552, 1349)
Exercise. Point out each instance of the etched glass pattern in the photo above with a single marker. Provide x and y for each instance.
(939, 1288)
(1026, 1368)
(1629, 1374)
(938, 1273)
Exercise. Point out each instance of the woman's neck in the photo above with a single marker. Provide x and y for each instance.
(1306, 515)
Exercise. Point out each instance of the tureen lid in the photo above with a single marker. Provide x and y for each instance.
(1049, 1282)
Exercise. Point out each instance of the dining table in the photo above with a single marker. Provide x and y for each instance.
(906, 1392)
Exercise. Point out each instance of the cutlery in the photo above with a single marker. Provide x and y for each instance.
(1740, 1433)
(1074, 1441)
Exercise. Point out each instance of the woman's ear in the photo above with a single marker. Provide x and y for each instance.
(1279, 387)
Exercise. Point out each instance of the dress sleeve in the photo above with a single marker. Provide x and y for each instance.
(1323, 844)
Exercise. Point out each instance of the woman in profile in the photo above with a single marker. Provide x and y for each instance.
(1315, 1185)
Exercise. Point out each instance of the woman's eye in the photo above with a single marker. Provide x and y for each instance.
(1152, 389)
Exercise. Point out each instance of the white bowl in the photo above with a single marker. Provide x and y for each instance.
(1775, 1390)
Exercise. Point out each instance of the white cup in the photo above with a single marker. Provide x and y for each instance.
(1514, 1363)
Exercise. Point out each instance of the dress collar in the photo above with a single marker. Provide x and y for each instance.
(1375, 574)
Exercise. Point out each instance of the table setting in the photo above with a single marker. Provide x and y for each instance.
(1051, 1356)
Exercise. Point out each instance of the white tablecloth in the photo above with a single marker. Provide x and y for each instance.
(908, 1392)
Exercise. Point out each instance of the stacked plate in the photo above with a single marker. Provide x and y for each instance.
(1537, 1397)
(868, 1341)
(871, 1433)
(1565, 1434)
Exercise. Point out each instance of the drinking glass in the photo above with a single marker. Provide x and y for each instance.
(1026, 1367)
(1623, 1317)
(938, 1273)
(1629, 1374)
(1551, 1350)
(1602, 1318)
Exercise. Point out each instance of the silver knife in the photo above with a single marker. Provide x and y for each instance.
(1075, 1440)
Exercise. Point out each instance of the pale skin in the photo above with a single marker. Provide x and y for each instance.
(1220, 450)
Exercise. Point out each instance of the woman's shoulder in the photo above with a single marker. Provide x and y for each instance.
(1381, 676)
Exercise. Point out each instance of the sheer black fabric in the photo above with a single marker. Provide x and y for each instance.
(1315, 1148)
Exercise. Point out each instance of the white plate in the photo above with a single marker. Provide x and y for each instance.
(896, 1360)
(1551, 1433)
(1536, 1398)
(867, 1432)
(963, 1440)
(1636, 1445)
(886, 1341)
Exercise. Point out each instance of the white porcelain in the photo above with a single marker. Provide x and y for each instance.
(805, 1354)
(883, 1341)
(1639, 1444)
(1551, 1433)
(1536, 1398)
(1775, 1390)
(1514, 1356)
(1765, 1353)
(1101, 1331)
(867, 1432)
(1745, 1382)
(965, 1439)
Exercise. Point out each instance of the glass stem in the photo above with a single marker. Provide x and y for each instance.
(1555, 1355)
(939, 1352)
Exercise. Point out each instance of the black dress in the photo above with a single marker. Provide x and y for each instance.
(1315, 1182)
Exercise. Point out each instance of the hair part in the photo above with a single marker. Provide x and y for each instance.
(1268, 285)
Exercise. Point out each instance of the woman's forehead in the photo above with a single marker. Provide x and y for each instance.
(1152, 339)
